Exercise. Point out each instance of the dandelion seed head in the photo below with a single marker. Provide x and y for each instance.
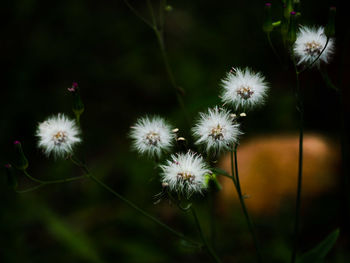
(243, 88)
(310, 43)
(58, 135)
(152, 136)
(185, 173)
(216, 130)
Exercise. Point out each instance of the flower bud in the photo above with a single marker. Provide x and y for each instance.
(212, 182)
(267, 25)
(288, 8)
(330, 27)
(11, 177)
(78, 106)
(20, 161)
(292, 30)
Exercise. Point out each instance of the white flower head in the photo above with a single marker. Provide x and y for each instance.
(57, 135)
(216, 130)
(242, 88)
(185, 173)
(310, 43)
(152, 136)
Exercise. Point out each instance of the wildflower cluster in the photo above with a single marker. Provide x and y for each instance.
(216, 130)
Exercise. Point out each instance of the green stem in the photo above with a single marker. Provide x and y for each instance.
(178, 90)
(159, 32)
(199, 228)
(211, 200)
(272, 47)
(241, 200)
(137, 14)
(232, 168)
(66, 180)
(31, 189)
(300, 108)
(131, 204)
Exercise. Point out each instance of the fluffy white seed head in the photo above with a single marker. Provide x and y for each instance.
(309, 44)
(185, 173)
(243, 89)
(57, 135)
(152, 136)
(216, 130)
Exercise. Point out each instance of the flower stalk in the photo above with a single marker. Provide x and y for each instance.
(300, 109)
(204, 240)
(236, 182)
(131, 204)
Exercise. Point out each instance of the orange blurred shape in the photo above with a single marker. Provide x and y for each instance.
(268, 170)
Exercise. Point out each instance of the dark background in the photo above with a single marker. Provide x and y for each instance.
(115, 58)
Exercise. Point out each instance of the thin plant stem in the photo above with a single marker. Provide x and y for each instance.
(66, 180)
(31, 189)
(211, 201)
(232, 168)
(42, 183)
(179, 91)
(241, 200)
(131, 204)
(228, 176)
(137, 14)
(205, 242)
(153, 17)
(300, 108)
(268, 35)
(159, 32)
(162, 5)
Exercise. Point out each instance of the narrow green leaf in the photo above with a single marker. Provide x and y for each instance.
(220, 171)
(318, 253)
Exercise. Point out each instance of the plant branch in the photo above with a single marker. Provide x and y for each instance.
(199, 228)
(131, 204)
(137, 14)
(241, 200)
(300, 109)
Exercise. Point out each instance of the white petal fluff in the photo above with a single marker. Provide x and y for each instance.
(185, 173)
(57, 135)
(152, 136)
(244, 89)
(216, 130)
(309, 44)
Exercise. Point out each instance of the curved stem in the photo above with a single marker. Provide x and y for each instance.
(207, 246)
(136, 13)
(221, 172)
(131, 204)
(313, 62)
(31, 189)
(300, 108)
(159, 32)
(66, 180)
(241, 200)
(272, 47)
(179, 91)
